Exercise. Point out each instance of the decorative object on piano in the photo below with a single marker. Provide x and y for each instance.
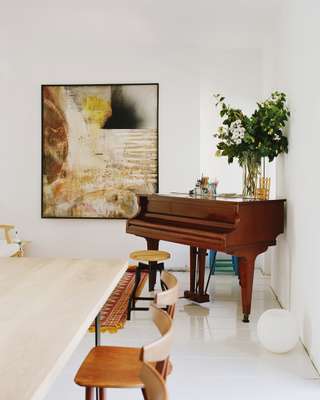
(251, 169)
(204, 184)
(99, 148)
(201, 187)
(213, 187)
(263, 189)
(205, 188)
(197, 190)
(250, 138)
(278, 331)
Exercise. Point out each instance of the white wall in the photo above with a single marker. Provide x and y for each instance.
(237, 74)
(82, 43)
(192, 50)
(295, 270)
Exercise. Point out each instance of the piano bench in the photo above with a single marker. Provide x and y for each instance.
(152, 266)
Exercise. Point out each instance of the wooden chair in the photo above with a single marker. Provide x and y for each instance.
(152, 257)
(168, 297)
(119, 367)
(154, 385)
(9, 248)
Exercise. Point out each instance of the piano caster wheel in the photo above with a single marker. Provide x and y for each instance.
(245, 318)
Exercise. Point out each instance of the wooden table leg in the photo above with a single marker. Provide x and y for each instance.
(97, 325)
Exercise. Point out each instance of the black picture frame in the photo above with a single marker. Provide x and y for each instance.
(43, 86)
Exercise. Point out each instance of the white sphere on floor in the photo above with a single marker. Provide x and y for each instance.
(278, 331)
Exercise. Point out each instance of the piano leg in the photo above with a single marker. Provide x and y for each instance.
(197, 264)
(152, 244)
(201, 269)
(193, 268)
(246, 273)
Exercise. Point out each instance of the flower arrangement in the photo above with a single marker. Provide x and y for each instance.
(249, 139)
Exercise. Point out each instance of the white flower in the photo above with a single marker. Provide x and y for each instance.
(276, 137)
(223, 130)
(237, 131)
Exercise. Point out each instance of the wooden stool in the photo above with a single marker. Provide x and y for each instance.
(152, 257)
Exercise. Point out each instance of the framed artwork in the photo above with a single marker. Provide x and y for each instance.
(99, 149)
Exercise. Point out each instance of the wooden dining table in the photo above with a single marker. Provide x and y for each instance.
(46, 307)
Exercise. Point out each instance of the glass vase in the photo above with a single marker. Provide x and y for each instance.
(251, 165)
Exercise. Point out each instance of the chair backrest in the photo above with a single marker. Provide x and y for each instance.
(7, 229)
(168, 297)
(154, 384)
(159, 350)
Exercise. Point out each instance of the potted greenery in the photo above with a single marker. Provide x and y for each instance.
(249, 139)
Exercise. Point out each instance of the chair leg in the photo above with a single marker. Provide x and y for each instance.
(102, 394)
(161, 367)
(144, 393)
(235, 265)
(212, 261)
(152, 275)
(89, 393)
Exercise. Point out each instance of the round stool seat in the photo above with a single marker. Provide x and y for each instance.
(150, 255)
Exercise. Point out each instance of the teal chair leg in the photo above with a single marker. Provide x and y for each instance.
(212, 265)
(212, 261)
(235, 265)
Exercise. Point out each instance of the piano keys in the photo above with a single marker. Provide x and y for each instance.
(239, 227)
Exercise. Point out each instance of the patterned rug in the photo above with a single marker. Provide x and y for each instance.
(113, 314)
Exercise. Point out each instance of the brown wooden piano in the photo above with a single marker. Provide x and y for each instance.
(240, 227)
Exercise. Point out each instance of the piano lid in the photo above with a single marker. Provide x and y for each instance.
(223, 197)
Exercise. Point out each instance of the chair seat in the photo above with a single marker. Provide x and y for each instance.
(111, 367)
(150, 255)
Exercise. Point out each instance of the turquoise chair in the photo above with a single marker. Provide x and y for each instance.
(212, 265)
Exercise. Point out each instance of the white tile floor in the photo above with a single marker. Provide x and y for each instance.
(215, 355)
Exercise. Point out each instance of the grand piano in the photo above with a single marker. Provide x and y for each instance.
(240, 227)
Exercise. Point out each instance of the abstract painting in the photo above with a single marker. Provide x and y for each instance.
(99, 149)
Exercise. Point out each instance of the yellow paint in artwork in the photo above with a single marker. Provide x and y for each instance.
(97, 110)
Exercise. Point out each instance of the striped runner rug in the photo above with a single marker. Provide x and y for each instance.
(113, 314)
